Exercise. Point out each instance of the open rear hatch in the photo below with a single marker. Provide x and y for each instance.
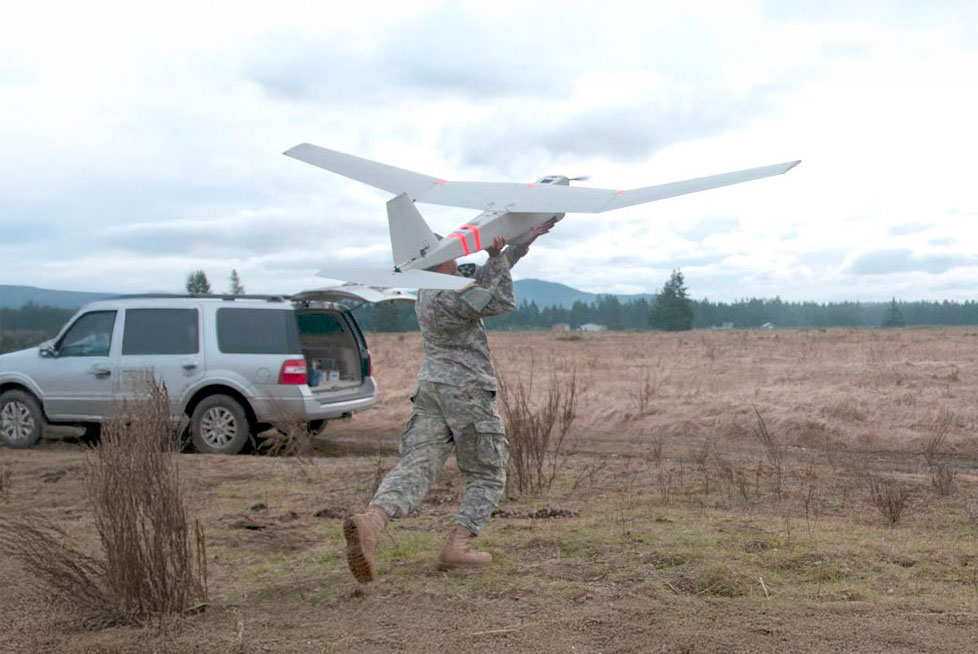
(353, 295)
(334, 347)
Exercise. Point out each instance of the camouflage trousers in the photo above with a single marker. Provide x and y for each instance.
(446, 417)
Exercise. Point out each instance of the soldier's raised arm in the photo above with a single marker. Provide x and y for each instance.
(493, 293)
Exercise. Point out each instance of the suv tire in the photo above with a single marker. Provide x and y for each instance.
(219, 426)
(21, 420)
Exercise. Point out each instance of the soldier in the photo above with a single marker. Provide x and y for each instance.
(453, 406)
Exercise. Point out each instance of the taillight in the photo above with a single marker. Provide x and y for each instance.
(293, 372)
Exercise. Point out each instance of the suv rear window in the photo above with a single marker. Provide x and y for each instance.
(257, 331)
(321, 330)
(160, 331)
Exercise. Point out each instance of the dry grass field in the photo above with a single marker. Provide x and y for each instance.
(728, 491)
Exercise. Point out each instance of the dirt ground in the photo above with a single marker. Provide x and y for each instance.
(670, 525)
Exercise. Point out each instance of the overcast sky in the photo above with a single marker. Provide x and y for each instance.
(142, 140)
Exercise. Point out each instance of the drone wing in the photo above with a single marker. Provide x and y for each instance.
(387, 178)
(387, 278)
(527, 198)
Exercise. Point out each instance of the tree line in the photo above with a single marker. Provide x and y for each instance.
(673, 310)
(740, 314)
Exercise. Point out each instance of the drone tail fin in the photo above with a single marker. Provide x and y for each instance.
(411, 238)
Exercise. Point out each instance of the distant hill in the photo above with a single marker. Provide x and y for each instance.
(14, 297)
(545, 294)
(551, 294)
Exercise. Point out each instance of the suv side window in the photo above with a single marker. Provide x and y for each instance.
(89, 336)
(160, 331)
(257, 331)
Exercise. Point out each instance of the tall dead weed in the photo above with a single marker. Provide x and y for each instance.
(153, 557)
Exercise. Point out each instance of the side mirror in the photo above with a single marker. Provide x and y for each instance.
(48, 352)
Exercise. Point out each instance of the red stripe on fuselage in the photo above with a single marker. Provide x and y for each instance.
(461, 237)
(475, 232)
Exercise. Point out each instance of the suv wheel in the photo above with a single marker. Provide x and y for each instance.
(219, 426)
(21, 420)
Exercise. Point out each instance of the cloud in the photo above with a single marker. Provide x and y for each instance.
(709, 226)
(905, 14)
(250, 232)
(628, 132)
(823, 258)
(446, 51)
(883, 262)
(908, 228)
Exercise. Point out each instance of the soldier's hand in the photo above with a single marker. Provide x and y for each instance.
(540, 230)
(497, 246)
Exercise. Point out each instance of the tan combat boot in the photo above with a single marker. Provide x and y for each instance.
(458, 554)
(362, 531)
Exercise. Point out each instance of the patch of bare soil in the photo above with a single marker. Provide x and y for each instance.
(385, 619)
(545, 512)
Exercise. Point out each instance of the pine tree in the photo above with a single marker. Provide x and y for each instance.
(234, 284)
(609, 312)
(197, 283)
(894, 317)
(673, 310)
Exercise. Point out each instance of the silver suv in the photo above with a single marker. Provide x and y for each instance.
(232, 366)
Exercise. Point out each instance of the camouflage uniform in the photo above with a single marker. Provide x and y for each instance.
(454, 405)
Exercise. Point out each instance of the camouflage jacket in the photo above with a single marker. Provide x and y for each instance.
(455, 349)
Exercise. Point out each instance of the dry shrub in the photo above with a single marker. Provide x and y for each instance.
(537, 431)
(655, 451)
(589, 474)
(701, 457)
(890, 499)
(942, 477)
(154, 559)
(72, 576)
(937, 435)
(646, 391)
(810, 498)
(627, 492)
(291, 438)
(773, 450)
(736, 478)
(663, 480)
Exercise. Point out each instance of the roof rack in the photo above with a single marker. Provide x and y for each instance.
(207, 296)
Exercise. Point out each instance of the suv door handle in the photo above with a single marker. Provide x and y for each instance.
(100, 371)
(189, 365)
